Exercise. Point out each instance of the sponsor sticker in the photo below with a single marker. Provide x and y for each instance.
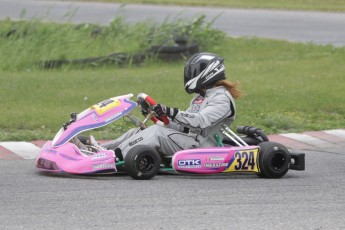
(103, 166)
(216, 158)
(106, 105)
(95, 117)
(195, 108)
(136, 141)
(187, 115)
(98, 156)
(112, 117)
(216, 165)
(192, 163)
(199, 100)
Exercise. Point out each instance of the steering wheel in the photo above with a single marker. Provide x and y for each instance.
(146, 102)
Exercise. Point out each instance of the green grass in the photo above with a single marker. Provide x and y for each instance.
(290, 87)
(28, 44)
(315, 5)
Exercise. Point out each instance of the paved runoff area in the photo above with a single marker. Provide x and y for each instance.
(10, 150)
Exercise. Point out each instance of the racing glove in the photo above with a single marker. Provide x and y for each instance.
(161, 109)
(144, 107)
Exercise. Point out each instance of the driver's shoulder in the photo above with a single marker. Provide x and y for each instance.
(219, 93)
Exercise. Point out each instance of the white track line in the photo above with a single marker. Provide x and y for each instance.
(26, 150)
(308, 139)
(336, 132)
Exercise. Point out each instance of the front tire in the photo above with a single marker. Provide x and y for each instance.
(274, 160)
(142, 162)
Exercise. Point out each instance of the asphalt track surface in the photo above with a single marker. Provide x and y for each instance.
(312, 199)
(296, 26)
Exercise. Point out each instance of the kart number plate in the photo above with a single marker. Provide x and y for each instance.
(244, 161)
(106, 105)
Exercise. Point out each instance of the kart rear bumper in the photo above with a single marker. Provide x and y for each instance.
(297, 161)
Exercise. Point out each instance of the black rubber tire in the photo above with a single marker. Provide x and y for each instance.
(142, 162)
(193, 47)
(274, 160)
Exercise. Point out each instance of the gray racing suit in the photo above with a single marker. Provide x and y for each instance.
(195, 127)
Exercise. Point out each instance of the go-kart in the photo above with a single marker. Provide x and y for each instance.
(248, 151)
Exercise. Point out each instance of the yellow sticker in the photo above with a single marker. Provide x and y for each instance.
(244, 161)
(106, 105)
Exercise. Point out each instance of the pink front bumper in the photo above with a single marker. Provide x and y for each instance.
(68, 158)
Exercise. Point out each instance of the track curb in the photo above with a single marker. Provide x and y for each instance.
(309, 140)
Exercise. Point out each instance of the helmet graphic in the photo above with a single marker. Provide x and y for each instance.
(202, 70)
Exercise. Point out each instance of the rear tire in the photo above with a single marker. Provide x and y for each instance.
(142, 162)
(274, 160)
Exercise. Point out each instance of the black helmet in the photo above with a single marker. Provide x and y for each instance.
(203, 70)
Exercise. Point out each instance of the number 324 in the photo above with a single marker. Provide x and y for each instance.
(244, 160)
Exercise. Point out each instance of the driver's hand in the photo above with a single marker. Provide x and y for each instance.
(161, 109)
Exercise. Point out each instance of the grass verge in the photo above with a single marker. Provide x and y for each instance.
(291, 87)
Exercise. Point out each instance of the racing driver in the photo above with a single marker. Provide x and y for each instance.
(212, 106)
